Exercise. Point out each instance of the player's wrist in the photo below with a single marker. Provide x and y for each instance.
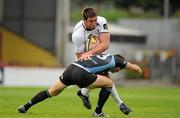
(89, 53)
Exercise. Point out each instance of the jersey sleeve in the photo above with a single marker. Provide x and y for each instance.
(103, 25)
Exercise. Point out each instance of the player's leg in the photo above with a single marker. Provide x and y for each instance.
(85, 91)
(115, 96)
(106, 85)
(42, 95)
(84, 95)
(122, 106)
(117, 99)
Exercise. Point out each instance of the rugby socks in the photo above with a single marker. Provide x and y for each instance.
(115, 96)
(103, 96)
(85, 91)
(42, 95)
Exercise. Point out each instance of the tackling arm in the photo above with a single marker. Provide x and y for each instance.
(133, 67)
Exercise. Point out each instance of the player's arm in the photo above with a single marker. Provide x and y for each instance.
(103, 45)
(133, 67)
(104, 39)
(121, 63)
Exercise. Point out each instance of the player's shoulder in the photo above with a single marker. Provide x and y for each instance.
(78, 25)
(101, 20)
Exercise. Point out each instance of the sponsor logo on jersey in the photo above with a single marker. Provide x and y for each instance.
(105, 26)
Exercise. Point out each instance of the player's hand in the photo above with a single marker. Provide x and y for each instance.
(85, 56)
(138, 69)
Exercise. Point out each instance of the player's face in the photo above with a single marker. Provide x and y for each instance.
(91, 23)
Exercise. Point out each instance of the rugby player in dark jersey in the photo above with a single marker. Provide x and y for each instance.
(85, 73)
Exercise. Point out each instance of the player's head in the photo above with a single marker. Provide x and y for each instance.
(120, 61)
(89, 17)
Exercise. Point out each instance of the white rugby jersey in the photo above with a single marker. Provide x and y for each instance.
(81, 37)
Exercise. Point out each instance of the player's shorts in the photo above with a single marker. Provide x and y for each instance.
(75, 75)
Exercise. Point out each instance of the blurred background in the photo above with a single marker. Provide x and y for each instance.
(36, 46)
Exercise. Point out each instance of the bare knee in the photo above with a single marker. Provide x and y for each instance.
(57, 88)
(109, 83)
(53, 92)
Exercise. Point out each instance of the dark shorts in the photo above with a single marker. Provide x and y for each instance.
(75, 75)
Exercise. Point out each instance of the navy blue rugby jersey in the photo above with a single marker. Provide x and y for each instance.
(97, 63)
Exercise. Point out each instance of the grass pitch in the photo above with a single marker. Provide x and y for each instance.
(146, 102)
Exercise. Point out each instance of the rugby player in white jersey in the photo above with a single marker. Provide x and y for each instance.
(90, 37)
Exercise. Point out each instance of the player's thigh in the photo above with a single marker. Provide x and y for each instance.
(101, 81)
(56, 88)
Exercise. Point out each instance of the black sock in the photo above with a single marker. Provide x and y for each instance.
(37, 98)
(103, 96)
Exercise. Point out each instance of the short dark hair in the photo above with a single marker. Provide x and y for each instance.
(120, 61)
(89, 12)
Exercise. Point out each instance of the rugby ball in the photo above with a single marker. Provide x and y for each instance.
(91, 42)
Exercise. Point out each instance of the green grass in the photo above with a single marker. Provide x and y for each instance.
(147, 102)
